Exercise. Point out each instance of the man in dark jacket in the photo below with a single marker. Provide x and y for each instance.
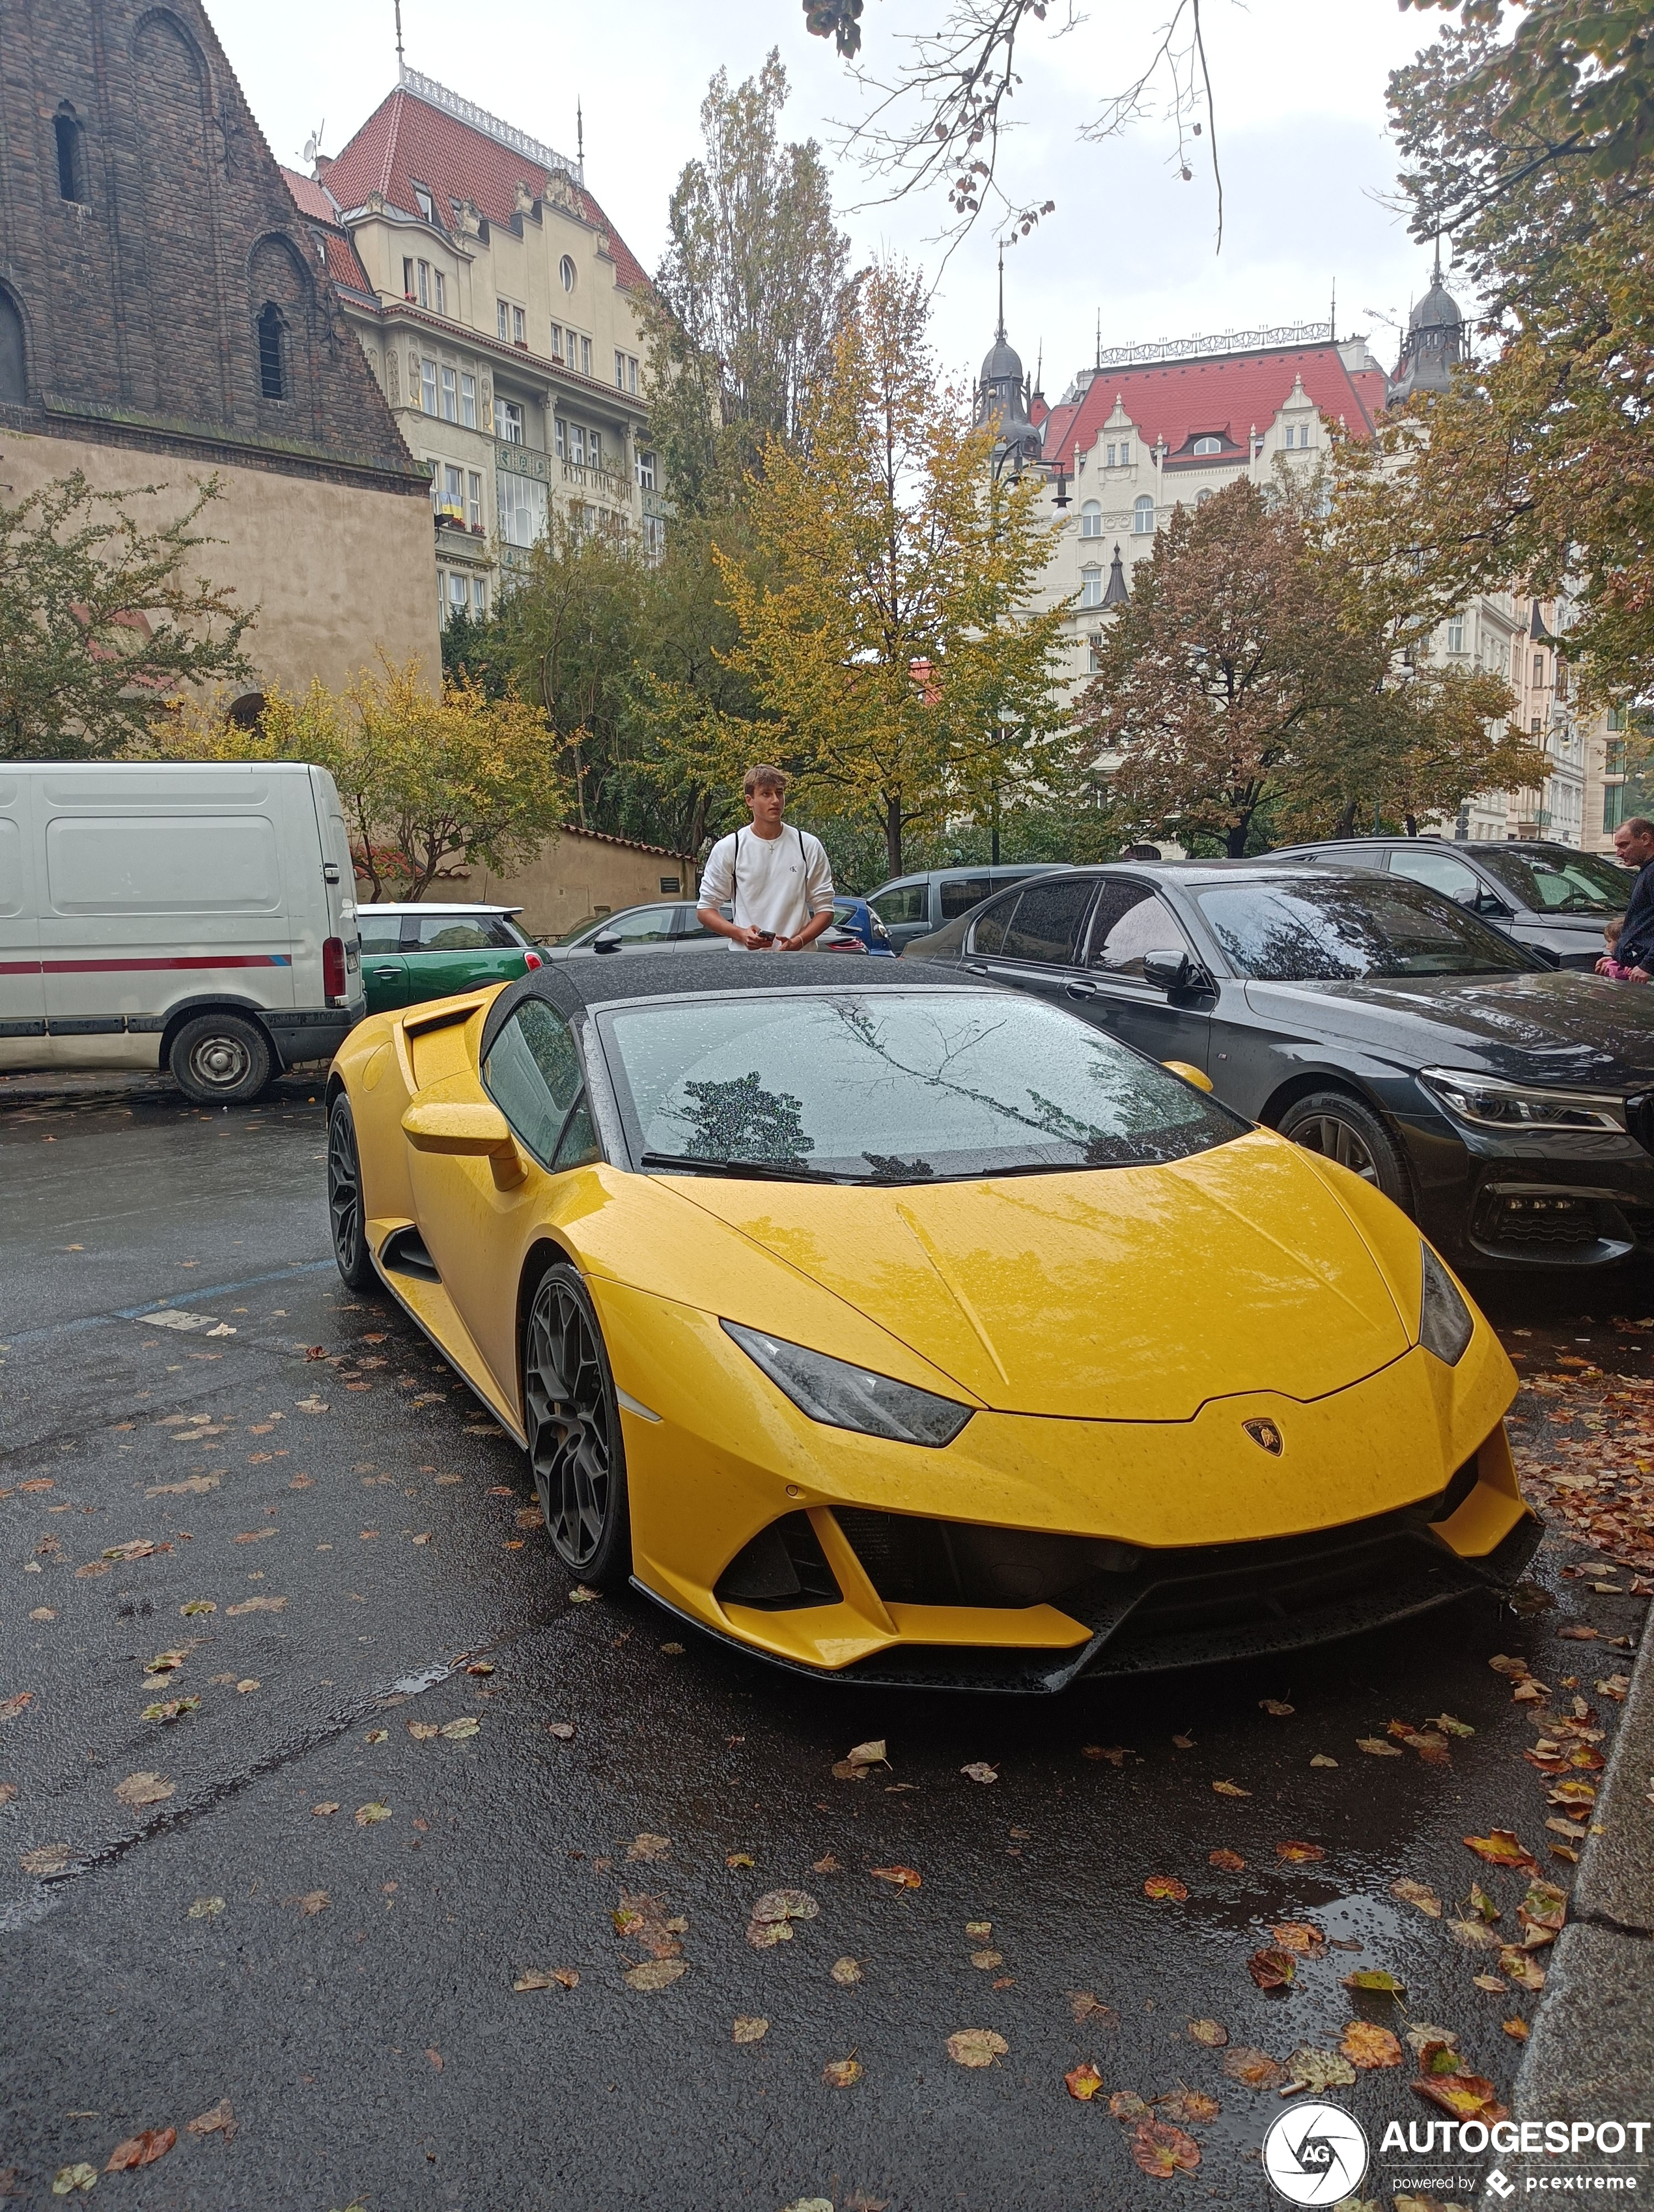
(1633, 845)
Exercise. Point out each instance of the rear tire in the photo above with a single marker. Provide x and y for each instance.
(573, 1428)
(344, 1199)
(220, 1059)
(1342, 1128)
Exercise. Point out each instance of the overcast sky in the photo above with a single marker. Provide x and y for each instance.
(1299, 131)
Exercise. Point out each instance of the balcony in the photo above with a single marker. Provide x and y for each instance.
(603, 482)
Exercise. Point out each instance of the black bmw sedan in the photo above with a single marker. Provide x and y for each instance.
(1509, 1108)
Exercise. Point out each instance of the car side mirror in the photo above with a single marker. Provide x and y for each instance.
(605, 944)
(469, 1131)
(1486, 901)
(1171, 971)
(1190, 1073)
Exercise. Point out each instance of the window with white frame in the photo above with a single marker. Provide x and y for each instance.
(1455, 633)
(1142, 517)
(566, 271)
(1094, 651)
(438, 291)
(626, 371)
(508, 421)
(1091, 587)
(1207, 445)
(452, 502)
(407, 292)
(502, 311)
(473, 499)
(1118, 456)
(1298, 436)
(522, 504)
(468, 400)
(577, 445)
(428, 387)
(520, 326)
(459, 594)
(585, 357)
(560, 439)
(1538, 670)
(654, 539)
(1091, 519)
(450, 396)
(594, 448)
(479, 597)
(1202, 496)
(422, 200)
(424, 283)
(645, 465)
(556, 341)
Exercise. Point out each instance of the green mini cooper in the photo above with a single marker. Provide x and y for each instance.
(414, 952)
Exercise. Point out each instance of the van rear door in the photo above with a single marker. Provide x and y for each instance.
(22, 991)
(339, 876)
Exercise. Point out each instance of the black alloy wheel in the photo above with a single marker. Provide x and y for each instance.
(344, 1197)
(1342, 1128)
(574, 1431)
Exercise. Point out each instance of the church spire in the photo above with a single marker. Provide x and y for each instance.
(999, 330)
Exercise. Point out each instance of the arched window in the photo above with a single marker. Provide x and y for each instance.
(1091, 519)
(566, 271)
(1208, 446)
(1142, 517)
(71, 155)
(272, 367)
(1091, 587)
(1200, 497)
(14, 381)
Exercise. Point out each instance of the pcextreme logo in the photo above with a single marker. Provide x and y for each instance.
(1316, 2154)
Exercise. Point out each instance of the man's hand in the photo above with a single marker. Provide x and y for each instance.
(754, 940)
(1639, 975)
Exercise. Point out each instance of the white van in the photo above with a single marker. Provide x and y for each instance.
(196, 917)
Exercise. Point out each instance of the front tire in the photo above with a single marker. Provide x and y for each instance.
(573, 1428)
(344, 1199)
(1344, 1129)
(220, 1059)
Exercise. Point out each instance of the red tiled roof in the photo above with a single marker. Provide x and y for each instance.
(343, 263)
(405, 138)
(308, 196)
(1173, 401)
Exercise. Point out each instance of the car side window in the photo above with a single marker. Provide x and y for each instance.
(650, 925)
(902, 903)
(380, 933)
(455, 932)
(1047, 923)
(960, 893)
(1439, 872)
(532, 1072)
(988, 931)
(1136, 923)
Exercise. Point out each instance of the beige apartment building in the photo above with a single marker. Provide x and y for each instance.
(502, 316)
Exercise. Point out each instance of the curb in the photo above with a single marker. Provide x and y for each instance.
(1591, 2053)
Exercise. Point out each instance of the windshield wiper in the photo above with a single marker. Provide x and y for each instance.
(763, 1170)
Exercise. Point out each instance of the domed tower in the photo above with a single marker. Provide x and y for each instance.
(1002, 392)
(1433, 346)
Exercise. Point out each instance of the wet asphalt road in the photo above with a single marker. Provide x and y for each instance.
(345, 1981)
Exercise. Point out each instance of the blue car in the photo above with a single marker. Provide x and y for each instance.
(856, 916)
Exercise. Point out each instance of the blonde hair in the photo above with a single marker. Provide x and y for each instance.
(763, 777)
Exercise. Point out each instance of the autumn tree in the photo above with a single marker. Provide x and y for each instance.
(749, 292)
(889, 618)
(100, 617)
(429, 780)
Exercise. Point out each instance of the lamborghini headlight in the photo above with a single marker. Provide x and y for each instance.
(1445, 1322)
(845, 1397)
(1487, 1103)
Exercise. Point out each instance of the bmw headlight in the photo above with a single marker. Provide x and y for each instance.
(1487, 1103)
(845, 1397)
(1445, 1322)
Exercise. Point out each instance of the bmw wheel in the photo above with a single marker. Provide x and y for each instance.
(344, 1199)
(1342, 1128)
(574, 1431)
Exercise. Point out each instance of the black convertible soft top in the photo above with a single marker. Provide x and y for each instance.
(601, 978)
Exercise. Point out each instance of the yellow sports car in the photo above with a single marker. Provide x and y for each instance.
(916, 1331)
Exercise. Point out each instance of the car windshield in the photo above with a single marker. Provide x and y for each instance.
(897, 1087)
(1339, 928)
(1561, 882)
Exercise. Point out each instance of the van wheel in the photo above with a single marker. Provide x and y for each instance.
(220, 1059)
(344, 1199)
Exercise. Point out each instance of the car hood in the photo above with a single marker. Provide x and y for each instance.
(1118, 1294)
(1553, 1027)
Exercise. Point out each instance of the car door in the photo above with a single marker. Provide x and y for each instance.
(640, 929)
(905, 909)
(1132, 920)
(385, 971)
(450, 952)
(1039, 948)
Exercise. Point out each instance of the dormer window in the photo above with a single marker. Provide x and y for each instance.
(424, 203)
(1120, 457)
(1091, 519)
(1207, 445)
(1297, 437)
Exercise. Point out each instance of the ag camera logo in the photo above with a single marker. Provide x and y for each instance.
(1315, 2154)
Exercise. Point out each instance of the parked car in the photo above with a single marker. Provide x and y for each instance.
(1508, 1108)
(411, 954)
(896, 1329)
(674, 926)
(857, 918)
(1547, 895)
(910, 907)
(198, 917)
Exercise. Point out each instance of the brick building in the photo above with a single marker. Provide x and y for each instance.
(166, 314)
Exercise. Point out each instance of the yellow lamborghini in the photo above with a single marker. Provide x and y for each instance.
(916, 1331)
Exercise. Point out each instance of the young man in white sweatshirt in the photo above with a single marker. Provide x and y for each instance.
(777, 880)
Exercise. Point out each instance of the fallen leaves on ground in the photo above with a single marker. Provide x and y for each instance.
(1475, 1934)
(1210, 2033)
(1367, 2045)
(1116, 1753)
(1321, 1759)
(1300, 1935)
(423, 1731)
(323, 1810)
(144, 1788)
(1164, 2151)
(853, 1766)
(749, 2028)
(1294, 1853)
(846, 1972)
(197, 1605)
(1230, 1789)
(169, 1708)
(1084, 2007)
(206, 1908)
(771, 1918)
(987, 1959)
(1522, 1967)
(1127, 2105)
(1515, 2029)
(1465, 2096)
(739, 1859)
(12, 1706)
(1165, 1885)
(46, 1859)
(1253, 2068)
(1189, 2107)
(979, 1771)
(1502, 1847)
(1418, 1893)
(70, 2177)
(1309, 2068)
(1376, 1982)
(141, 2149)
(900, 1877)
(641, 1919)
(581, 1596)
(841, 2072)
(547, 1978)
(312, 1902)
(1448, 1726)
(1083, 2082)
(252, 1605)
(218, 2119)
(1376, 1747)
(563, 1730)
(655, 1974)
(1274, 1705)
(368, 1815)
(1541, 1912)
(1230, 1861)
(1272, 1969)
(645, 1846)
(976, 2046)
